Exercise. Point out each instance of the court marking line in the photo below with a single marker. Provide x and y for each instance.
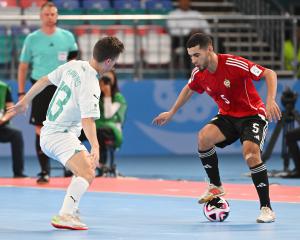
(168, 188)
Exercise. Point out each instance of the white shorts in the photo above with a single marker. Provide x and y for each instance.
(61, 146)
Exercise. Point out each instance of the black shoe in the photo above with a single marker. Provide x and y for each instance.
(20, 175)
(43, 178)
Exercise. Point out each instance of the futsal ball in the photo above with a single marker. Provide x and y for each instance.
(216, 210)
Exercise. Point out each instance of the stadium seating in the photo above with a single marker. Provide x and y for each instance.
(126, 34)
(156, 45)
(8, 3)
(131, 7)
(127, 4)
(9, 7)
(158, 7)
(153, 44)
(31, 3)
(99, 7)
(96, 4)
(69, 7)
(67, 4)
(19, 34)
(87, 36)
(6, 48)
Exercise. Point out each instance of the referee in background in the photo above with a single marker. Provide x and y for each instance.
(44, 49)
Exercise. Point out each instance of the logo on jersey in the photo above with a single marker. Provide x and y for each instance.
(255, 71)
(227, 83)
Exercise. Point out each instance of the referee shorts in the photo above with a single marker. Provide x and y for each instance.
(40, 105)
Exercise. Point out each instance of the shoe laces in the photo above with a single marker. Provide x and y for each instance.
(266, 210)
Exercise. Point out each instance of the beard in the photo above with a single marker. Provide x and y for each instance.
(203, 67)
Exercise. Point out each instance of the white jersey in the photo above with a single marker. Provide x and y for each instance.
(76, 97)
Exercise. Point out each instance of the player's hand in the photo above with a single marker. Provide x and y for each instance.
(95, 156)
(19, 107)
(273, 111)
(162, 118)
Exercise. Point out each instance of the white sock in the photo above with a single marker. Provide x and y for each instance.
(76, 208)
(76, 189)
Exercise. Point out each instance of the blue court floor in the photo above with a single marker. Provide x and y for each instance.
(25, 213)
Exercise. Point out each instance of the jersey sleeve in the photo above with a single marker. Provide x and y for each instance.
(256, 71)
(56, 75)
(26, 53)
(89, 98)
(73, 44)
(194, 83)
(246, 68)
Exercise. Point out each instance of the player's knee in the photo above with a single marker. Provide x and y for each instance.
(204, 141)
(251, 156)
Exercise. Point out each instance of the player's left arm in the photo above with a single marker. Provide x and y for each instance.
(273, 111)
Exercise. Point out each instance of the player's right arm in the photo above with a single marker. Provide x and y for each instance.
(39, 86)
(22, 73)
(183, 97)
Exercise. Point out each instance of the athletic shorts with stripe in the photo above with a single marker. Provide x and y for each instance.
(251, 128)
(61, 146)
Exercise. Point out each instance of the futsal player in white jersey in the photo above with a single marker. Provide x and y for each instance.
(74, 106)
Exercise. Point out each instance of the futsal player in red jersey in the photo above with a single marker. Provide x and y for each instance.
(242, 115)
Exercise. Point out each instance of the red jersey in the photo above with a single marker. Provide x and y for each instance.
(231, 86)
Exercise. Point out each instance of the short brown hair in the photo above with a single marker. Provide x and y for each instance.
(199, 39)
(107, 47)
(48, 4)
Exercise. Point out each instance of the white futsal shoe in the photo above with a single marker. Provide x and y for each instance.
(266, 215)
(68, 221)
